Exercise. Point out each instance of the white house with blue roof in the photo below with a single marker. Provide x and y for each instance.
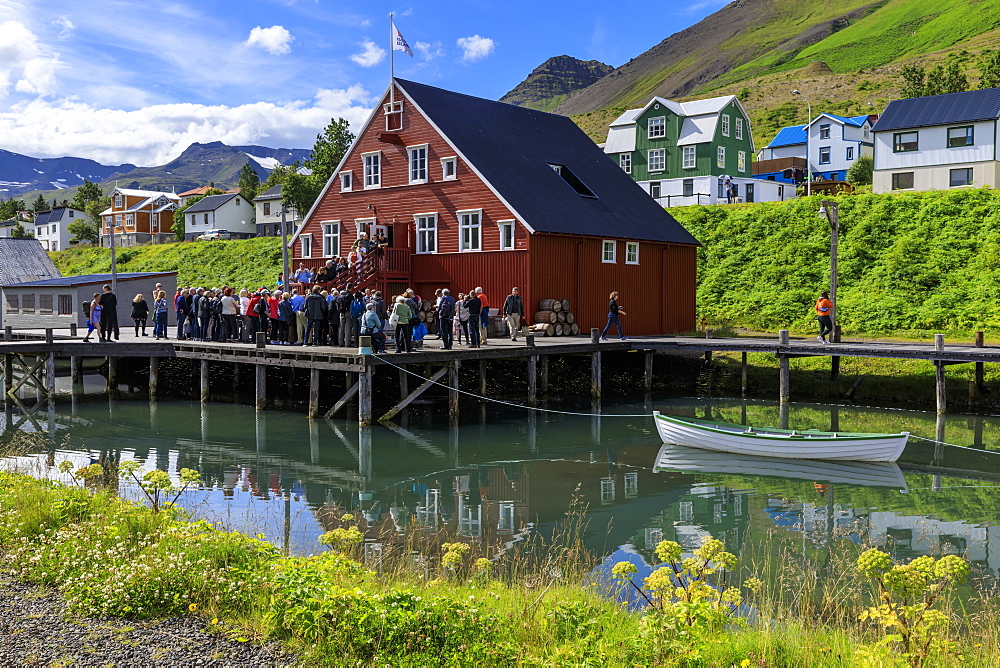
(938, 142)
(834, 144)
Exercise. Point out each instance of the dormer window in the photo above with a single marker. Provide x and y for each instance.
(448, 172)
(118, 201)
(657, 127)
(393, 116)
(346, 182)
(574, 182)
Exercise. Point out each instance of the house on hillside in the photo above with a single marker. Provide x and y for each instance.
(472, 192)
(139, 217)
(51, 227)
(938, 142)
(229, 212)
(268, 214)
(835, 143)
(189, 195)
(680, 152)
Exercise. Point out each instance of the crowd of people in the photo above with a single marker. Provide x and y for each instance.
(337, 267)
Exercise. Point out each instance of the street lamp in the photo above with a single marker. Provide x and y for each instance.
(284, 250)
(809, 114)
(830, 211)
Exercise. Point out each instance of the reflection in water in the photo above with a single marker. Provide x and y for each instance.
(498, 482)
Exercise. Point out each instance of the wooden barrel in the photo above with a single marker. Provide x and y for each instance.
(546, 304)
(561, 316)
(570, 317)
(565, 304)
(575, 329)
(545, 316)
(556, 305)
(422, 316)
(545, 329)
(559, 329)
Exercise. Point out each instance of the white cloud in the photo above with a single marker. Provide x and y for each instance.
(39, 76)
(156, 134)
(371, 54)
(64, 25)
(276, 40)
(476, 47)
(430, 50)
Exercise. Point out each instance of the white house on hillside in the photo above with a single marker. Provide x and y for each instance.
(938, 142)
(835, 143)
(51, 227)
(228, 212)
(268, 211)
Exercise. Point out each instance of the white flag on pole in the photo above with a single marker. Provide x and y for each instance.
(398, 42)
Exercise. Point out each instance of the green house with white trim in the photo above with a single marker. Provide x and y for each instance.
(681, 152)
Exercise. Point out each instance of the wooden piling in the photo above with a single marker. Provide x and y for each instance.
(260, 385)
(835, 359)
(453, 388)
(543, 379)
(8, 379)
(980, 367)
(365, 395)
(939, 377)
(204, 381)
(75, 373)
(313, 393)
(482, 378)
(154, 376)
(743, 373)
(595, 375)
(647, 374)
(112, 373)
(533, 380)
(404, 382)
(783, 369)
(50, 378)
(48, 336)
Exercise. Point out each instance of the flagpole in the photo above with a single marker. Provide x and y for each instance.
(392, 73)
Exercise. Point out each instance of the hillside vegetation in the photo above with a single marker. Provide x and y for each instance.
(244, 263)
(909, 263)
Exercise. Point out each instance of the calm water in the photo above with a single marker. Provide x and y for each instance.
(503, 476)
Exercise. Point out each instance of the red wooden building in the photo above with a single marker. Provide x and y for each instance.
(473, 192)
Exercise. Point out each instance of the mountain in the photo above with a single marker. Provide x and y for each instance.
(200, 164)
(754, 38)
(554, 81)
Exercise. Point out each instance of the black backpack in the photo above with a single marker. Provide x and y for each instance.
(262, 307)
(215, 306)
(86, 309)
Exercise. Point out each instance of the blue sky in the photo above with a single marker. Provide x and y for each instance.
(129, 81)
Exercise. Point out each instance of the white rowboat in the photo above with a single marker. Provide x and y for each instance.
(784, 443)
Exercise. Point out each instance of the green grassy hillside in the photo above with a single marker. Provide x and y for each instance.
(248, 263)
(913, 263)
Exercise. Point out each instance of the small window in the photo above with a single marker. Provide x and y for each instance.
(824, 131)
(625, 162)
(657, 159)
(689, 157)
(44, 304)
(12, 304)
(657, 127)
(902, 181)
(118, 220)
(448, 172)
(725, 125)
(418, 164)
(206, 218)
(393, 116)
(688, 187)
(741, 161)
(904, 141)
(426, 232)
(781, 192)
(470, 227)
(739, 128)
(573, 180)
(346, 181)
(28, 304)
(237, 201)
(609, 252)
(850, 153)
(507, 235)
(824, 155)
(305, 245)
(65, 304)
(267, 208)
(632, 252)
(118, 201)
(631, 485)
(373, 170)
(961, 177)
(654, 189)
(331, 239)
(129, 220)
(71, 213)
(961, 136)
(720, 157)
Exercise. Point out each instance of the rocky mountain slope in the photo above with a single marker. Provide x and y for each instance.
(20, 174)
(555, 81)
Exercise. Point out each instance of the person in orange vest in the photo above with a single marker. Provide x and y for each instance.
(824, 311)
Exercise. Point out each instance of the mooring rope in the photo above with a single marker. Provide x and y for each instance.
(508, 403)
(955, 445)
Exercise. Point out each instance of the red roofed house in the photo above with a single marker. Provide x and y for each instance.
(473, 192)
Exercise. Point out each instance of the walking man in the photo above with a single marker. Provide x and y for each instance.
(512, 312)
(484, 316)
(109, 314)
(824, 313)
(446, 317)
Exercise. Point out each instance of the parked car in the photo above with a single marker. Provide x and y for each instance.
(211, 235)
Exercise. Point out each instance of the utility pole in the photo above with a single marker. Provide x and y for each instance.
(284, 249)
(809, 174)
(831, 212)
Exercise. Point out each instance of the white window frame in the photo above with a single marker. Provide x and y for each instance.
(689, 157)
(849, 153)
(118, 201)
(824, 131)
(463, 226)
(330, 248)
(118, 220)
(661, 155)
(725, 125)
(361, 225)
(720, 157)
(415, 155)
(739, 128)
(504, 226)
(612, 246)
(631, 252)
(741, 161)
(453, 161)
(372, 169)
(423, 234)
(347, 181)
(129, 220)
(625, 162)
(656, 127)
(305, 245)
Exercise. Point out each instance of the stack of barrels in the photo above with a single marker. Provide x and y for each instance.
(553, 318)
(427, 316)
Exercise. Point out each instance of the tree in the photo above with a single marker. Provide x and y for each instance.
(279, 175)
(95, 208)
(83, 231)
(85, 194)
(10, 207)
(18, 232)
(989, 70)
(943, 79)
(913, 81)
(249, 183)
(178, 226)
(860, 173)
(301, 190)
(39, 204)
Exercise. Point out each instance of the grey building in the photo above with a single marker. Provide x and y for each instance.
(268, 206)
(56, 302)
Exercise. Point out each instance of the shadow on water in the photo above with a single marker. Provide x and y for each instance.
(503, 475)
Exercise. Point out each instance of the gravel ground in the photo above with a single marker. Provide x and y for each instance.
(35, 631)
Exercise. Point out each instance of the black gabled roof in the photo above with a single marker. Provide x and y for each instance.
(514, 149)
(949, 109)
(210, 203)
(274, 192)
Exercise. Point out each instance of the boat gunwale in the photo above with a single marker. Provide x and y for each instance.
(775, 434)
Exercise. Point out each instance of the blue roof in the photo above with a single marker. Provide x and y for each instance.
(87, 279)
(918, 112)
(515, 149)
(856, 121)
(789, 136)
